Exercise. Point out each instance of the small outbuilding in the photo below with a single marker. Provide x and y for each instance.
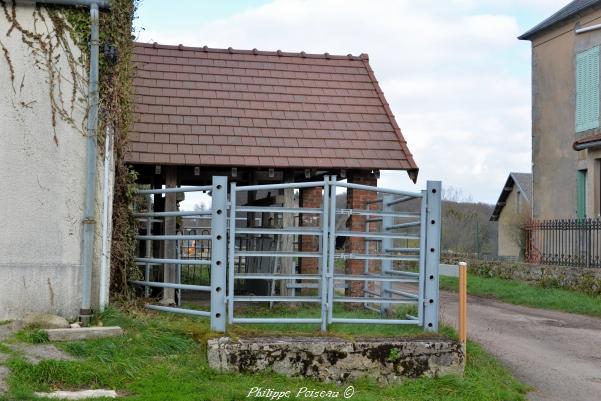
(512, 211)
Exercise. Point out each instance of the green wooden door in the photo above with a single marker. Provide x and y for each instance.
(581, 195)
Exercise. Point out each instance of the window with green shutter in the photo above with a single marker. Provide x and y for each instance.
(587, 89)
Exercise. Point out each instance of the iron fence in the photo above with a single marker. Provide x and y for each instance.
(564, 242)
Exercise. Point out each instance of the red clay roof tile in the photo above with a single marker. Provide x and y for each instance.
(201, 106)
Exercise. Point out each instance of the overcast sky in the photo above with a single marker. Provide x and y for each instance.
(456, 77)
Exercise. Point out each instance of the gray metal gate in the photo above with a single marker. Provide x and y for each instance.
(170, 268)
(393, 267)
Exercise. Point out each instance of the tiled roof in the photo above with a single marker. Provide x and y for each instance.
(523, 182)
(225, 107)
(566, 12)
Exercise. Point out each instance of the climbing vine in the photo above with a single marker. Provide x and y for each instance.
(55, 30)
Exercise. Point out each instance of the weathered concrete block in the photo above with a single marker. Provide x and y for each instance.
(83, 333)
(337, 360)
(45, 321)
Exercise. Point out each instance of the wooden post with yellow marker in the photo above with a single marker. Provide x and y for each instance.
(463, 304)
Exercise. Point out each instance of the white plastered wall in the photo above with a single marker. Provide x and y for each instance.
(42, 173)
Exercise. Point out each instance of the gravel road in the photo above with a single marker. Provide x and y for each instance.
(559, 354)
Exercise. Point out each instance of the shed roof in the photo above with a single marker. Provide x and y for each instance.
(523, 182)
(563, 14)
(226, 107)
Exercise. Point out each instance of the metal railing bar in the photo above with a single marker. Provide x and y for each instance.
(373, 300)
(400, 200)
(146, 220)
(173, 190)
(400, 273)
(358, 256)
(378, 189)
(296, 286)
(402, 293)
(172, 261)
(411, 317)
(293, 185)
(274, 320)
(179, 310)
(276, 299)
(402, 250)
(172, 285)
(264, 276)
(366, 212)
(174, 214)
(172, 237)
(269, 209)
(372, 277)
(373, 321)
(374, 220)
(404, 225)
(280, 254)
(275, 231)
(372, 236)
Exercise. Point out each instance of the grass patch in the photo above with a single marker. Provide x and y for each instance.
(32, 336)
(519, 293)
(163, 357)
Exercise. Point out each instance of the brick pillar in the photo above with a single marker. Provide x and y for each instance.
(309, 198)
(356, 199)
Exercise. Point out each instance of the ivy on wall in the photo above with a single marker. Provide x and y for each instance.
(56, 29)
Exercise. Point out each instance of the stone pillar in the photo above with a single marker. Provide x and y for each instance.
(356, 199)
(309, 198)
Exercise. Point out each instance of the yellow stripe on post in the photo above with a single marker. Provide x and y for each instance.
(463, 304)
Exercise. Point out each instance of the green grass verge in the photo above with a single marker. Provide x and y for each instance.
(519, 293)
(163, 357)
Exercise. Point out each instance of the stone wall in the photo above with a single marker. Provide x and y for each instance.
(579, 279)
(337, 360)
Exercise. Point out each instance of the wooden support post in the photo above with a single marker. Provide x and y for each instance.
(170, 229)
(463, 304)
(287, 263)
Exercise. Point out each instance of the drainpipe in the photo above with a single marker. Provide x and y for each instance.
(89, 222)
(91, 149)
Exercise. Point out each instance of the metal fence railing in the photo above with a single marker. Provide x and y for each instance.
(564, 242)
(170, 269)
(258, 258)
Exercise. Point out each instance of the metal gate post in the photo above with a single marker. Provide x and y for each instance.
(218, 253)
(387, 243)
(231, 267)
(325, 242)
(432, 256)
(331, 271)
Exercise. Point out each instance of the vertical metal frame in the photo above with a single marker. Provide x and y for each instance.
(331, 266)
(325, 242)
(231, 253)
(218, 253)
(432, 256)
(387, 243)
(422, 259)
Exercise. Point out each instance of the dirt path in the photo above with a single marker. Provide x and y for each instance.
(557, 353)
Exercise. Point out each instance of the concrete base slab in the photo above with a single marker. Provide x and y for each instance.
(83, 333)
(35, 353)
(4, 372)
(8, 329)
(78, 395)
(333, 359)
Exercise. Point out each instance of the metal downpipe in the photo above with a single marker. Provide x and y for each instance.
(91, 152)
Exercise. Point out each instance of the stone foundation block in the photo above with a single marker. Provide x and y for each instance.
(333, 359)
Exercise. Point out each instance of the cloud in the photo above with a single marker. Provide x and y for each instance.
(456, 80)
